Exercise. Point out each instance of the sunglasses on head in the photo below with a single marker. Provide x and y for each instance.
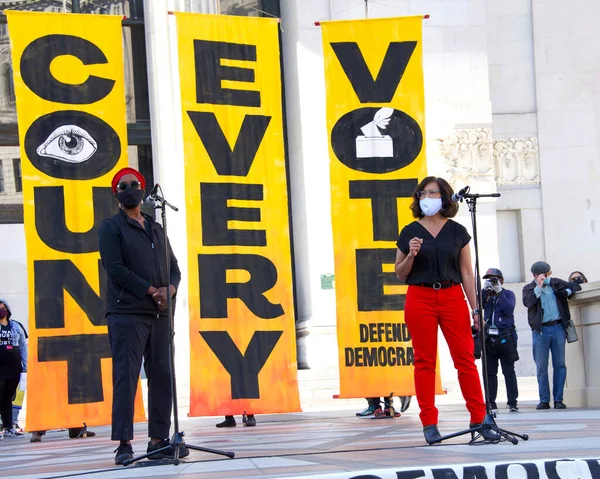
(133, 184)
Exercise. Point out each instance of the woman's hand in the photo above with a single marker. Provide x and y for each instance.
(414, 246)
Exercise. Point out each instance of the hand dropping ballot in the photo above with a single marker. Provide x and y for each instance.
(373, 143)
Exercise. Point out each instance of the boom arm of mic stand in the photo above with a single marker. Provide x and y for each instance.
(159, 199)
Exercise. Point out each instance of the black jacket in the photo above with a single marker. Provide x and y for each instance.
(134, 260)
(534, 305)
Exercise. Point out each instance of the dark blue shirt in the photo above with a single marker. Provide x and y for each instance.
(499, 309)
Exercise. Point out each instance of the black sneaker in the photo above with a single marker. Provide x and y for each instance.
(543, 405)
(228, 422)
(167, 453)
(123, 453)
(513, 409)
(250, 421)
(559, 405)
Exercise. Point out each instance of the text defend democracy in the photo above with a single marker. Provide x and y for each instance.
(378, 357)
(384, 332)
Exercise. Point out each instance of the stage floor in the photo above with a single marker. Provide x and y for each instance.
(311, 444)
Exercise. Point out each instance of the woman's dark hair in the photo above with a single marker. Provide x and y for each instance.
(579, 273)
(449, 208)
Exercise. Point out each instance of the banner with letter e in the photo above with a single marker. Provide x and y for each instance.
(69, 86)
(242, 331)
(376, 128)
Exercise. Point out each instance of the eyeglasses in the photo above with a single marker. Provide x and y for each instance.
(133, 184)
(428, 193)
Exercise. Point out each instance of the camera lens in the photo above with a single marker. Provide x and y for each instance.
(494, 280)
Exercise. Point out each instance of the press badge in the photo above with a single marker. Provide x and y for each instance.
(493, 331)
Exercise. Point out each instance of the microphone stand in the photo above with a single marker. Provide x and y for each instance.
(177, 442)
(489, 423)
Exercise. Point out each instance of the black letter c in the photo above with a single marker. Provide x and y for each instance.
(35, 70)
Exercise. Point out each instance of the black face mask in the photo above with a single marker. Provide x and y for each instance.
(131, 197)
(578, 280)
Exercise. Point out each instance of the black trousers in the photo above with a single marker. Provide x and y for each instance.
(132, 337)
(510, 378)
(7, 392)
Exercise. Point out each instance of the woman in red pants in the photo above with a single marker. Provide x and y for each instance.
(434, 259)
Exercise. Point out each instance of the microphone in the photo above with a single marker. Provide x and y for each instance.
(456, 197)
(151, 199)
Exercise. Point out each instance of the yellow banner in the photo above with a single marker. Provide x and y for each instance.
(243, 349)
(376, 127)
(69, 85)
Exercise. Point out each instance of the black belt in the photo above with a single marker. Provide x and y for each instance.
(438, 284)
(552, 323)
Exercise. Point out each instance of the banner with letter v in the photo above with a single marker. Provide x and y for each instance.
(376, 129)
(242, 331)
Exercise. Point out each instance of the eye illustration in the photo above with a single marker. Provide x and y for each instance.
(68, 143)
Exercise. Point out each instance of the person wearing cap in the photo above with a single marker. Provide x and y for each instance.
(132, 249)
(548, 314)
(501, 337)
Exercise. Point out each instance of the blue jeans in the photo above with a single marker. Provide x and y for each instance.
(552, 339)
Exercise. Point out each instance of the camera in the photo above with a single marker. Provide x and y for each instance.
(494, 281)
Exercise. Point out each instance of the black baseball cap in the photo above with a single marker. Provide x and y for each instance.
(540, 267)
(493, 272)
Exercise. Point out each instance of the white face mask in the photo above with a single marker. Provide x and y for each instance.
(430, 206)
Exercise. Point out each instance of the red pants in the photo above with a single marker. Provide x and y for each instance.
(424, 310)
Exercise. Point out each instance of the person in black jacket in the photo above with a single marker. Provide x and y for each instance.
(132, 250)
(501, 337)
(548, 313)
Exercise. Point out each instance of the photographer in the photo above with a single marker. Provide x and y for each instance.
(501, 337)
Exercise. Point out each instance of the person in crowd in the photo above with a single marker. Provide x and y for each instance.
(546, 300)
(501, 337)
(577, 277)
(434, 259)
(229, 421)
(374, 406)
(132, 249)
(13, 362)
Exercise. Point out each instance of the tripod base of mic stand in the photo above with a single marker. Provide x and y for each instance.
(177, 443)
(478, 434)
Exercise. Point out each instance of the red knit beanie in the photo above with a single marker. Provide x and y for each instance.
(127, 171)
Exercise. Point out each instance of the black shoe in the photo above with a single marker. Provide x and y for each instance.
(228, 422)
(543, 405)
(167, 453)
(404, 403)
(431, 434)
(513, 408)
(559, 405)
(123, 453)
(250, 421)
(488, 434)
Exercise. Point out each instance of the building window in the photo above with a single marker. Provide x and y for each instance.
(2, 190)
(17, 174)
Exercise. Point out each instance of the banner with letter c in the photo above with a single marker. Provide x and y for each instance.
(69, 86)
(242, 331)
(376, 128)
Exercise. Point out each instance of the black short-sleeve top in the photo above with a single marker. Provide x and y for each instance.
(437, 259)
